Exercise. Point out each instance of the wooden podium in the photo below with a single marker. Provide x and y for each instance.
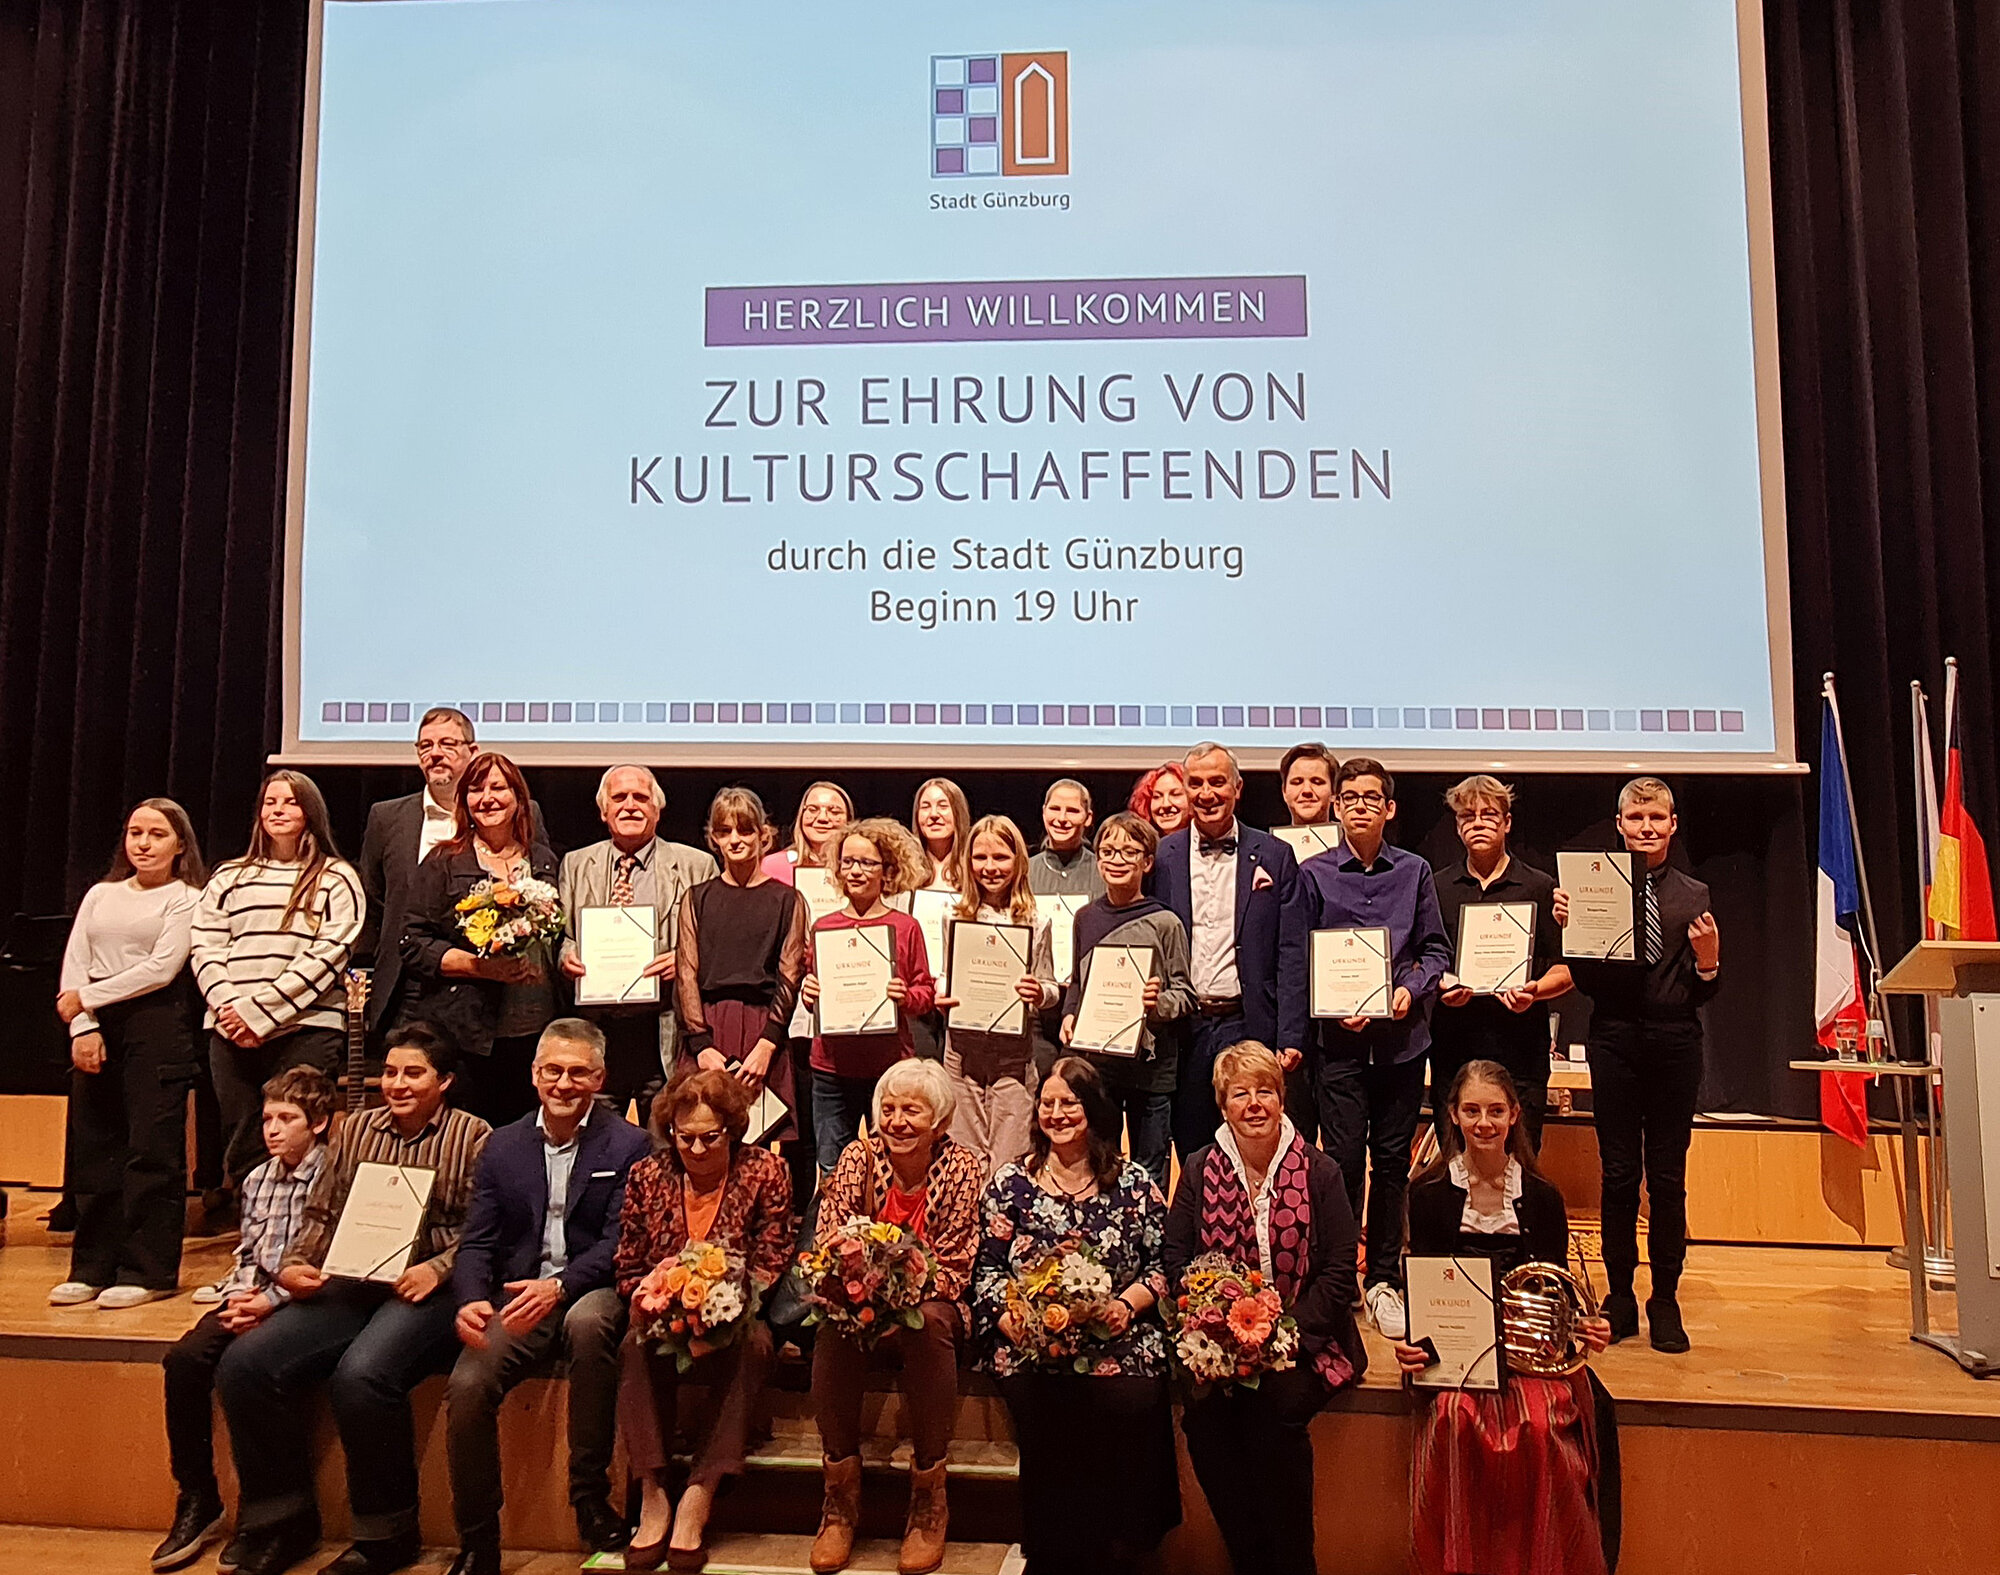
(1963, 978)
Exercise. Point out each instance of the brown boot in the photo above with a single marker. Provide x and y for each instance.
(834, 1545)
(923, 1536)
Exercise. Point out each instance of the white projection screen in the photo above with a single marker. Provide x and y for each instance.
(905, 383)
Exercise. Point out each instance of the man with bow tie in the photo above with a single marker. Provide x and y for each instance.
(633, 868)
(1229, 884)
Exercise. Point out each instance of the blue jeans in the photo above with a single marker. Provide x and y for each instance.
(1195, 1113)
(371, 1350)
(838, 1104)
(1149, 1127)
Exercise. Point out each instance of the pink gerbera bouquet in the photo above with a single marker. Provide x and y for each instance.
(1230, 1327)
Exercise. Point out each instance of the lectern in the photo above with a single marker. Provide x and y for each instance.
(1963, 977)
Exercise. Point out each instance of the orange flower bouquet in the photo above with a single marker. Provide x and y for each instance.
(510, 919)
(700, 1294)
(1229, 1326)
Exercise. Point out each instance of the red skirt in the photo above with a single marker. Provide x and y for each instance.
(1507, 1483)
(737, 1026)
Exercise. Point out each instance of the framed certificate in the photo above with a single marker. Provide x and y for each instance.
(987, 962)
(377, 1232)
(854, 964)
(1603, 905)
(1111, 1017)
(1496, 944)
(1350, 973)
(1308, 842)
(1451, 1304)
(1061, 913)
(933, 910)
(616, 946)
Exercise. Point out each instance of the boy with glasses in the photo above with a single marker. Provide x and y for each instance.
(1368, 1072)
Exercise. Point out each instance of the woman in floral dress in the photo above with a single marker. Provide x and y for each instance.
(1098, 1481)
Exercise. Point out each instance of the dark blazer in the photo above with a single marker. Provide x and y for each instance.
(502, 1239)
(388, 864)
(1263, 950)
(467, 1008)
(1437, 1210)
(1325, 1304)
(1670, 991)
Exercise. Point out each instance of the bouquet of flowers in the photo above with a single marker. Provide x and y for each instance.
(510, 918)
(1229, 1326)
(701, 1294)
(867, 1278)
(1059, 1305)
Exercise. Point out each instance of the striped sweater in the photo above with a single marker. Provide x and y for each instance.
(278, 976)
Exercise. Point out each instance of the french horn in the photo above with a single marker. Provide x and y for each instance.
(1542, 1309)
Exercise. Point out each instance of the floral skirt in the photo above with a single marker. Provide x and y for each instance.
(1508, 1483)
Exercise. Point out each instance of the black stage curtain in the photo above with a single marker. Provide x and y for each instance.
(148, 180)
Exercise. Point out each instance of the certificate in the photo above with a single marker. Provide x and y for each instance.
(933, 910)
(379, 1222)
(1061, 913)
(1602, 906)
(616, 946)
(1350, 973)
(1451, 1304)
(987, 963)
(820, 890)
(1496, 942)
(1309, 842)
(1112, 1014)
(854, 964)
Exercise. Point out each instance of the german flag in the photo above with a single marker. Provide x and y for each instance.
(1961, 889)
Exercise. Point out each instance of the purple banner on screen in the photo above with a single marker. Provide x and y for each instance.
(1271, 306)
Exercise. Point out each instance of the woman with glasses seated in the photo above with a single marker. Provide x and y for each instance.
(705, 1184)
(878, 859)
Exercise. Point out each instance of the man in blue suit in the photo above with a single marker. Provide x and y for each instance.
(534, 1282)
(1229, 883)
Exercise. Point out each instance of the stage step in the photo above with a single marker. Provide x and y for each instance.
(769, 1555)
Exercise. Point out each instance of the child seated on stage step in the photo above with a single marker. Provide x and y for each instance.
(298, 1106)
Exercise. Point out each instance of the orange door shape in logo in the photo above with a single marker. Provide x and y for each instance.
(1034, 113)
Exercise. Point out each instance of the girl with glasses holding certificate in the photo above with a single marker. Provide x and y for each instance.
(878, 860)
(989, 1051)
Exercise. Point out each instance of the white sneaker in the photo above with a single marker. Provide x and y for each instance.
(1385, 1306)
(208, 1295)
(116, 1298)
(73, 1293)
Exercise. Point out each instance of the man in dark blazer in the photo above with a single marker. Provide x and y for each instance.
(533, 1281)
(400, 832)
(1229, 884)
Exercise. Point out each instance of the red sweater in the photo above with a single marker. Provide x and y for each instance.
(870, 1055)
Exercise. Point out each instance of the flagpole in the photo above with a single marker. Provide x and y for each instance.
(1938, 1261)
(1878, 1025)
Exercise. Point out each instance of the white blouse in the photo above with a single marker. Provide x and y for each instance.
(128, 940)
(1503, 1221)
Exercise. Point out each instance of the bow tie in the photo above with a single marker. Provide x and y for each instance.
(1222, 845)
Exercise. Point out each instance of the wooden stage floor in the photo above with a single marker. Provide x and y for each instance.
(1792, 1329)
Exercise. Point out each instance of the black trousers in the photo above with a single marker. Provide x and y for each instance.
(1526, 1063)
(1645, 1082)
(632, 1069)
(126, 1142)
(190, 1365)
(499, 1087)
(1368, 1115)
(240, 1075)
(1252, 1454)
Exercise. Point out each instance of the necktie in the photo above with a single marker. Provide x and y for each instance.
(1653, 944)
(1225, 846)
(621, 884)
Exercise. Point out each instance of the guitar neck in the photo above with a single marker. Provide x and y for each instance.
(357, 1039)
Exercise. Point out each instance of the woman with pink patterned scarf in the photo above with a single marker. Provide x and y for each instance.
(1263, 1197)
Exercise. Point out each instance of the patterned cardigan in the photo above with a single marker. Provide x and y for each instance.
(754, 1218)
(953, 1186)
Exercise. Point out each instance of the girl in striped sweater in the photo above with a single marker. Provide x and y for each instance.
(272, 937)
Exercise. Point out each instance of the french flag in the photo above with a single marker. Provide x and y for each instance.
(1837, 1001)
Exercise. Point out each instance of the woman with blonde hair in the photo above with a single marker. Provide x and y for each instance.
(993, 1074)
(878, 860)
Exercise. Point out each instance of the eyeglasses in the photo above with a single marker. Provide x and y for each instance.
(442, 746)
(1060, 1107)
(701, 1142)
(553, 1075)
(1120, 855)
(1482, 817)
(1362, 801)
(860, 864)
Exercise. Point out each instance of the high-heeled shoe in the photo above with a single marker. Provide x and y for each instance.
(646, 1555)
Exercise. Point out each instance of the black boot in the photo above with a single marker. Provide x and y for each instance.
(197, 1523)
(1621, 1311)
(1663, 1319)
(601, 1527)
